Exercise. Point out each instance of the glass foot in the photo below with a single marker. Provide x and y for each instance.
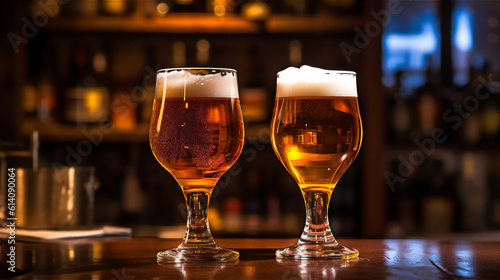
(200, 254)
(315, 251)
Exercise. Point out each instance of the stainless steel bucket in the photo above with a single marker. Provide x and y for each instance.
(55, 198)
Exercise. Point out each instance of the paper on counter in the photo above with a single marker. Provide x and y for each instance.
(65, 234)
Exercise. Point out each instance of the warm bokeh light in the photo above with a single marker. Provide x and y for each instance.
(220, 10)
(162, 8)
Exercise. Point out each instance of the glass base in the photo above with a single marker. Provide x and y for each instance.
(315, 251)
(197, 254)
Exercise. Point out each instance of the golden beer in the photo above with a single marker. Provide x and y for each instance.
(316, 134)
(316, 138)
(196, 139)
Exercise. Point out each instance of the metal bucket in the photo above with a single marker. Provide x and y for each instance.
(55, 198)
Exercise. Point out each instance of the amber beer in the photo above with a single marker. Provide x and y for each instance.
(198, 138)
(316, 135)
(196, 129)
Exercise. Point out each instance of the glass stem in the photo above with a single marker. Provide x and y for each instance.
(198, 229)
(317, 229)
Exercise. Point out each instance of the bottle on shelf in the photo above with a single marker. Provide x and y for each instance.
(295, 53)
(490, 110)
(428, 106)
(399, 118)
(232, 209)
(46, 98)
(179, 54)
(438, 204)
(473, 192)
(253, 95)
(29, 97)
(132, 196)
(202, 52)
(254, 222)
(470, 130)
(273, 214)
(86, 97)
(403, 208)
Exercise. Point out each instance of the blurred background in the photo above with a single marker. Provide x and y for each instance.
(81, 72)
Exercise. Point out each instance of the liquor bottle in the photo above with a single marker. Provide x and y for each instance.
(29, 97)
(202, 52)
(86, 97)
(473, 192)
(490, 111)
(233, 215)
(253, 95)
(295, 53)
(400, 119)
(470, 130)
(428, 106)
(179, 54)
(273, 213)
(438, 205)
(46, 97)
(404, 204)
(254, 210)
(132, 195)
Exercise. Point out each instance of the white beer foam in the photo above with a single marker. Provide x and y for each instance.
(308, 81)
(182, 84)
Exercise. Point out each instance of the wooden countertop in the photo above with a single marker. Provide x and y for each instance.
(135, 258)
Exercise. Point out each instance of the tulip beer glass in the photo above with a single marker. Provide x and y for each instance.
(196, 133)
(316, 134)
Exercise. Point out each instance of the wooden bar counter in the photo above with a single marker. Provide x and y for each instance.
(135, 258)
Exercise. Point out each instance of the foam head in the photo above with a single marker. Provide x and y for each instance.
(186, 83)
(308, 81)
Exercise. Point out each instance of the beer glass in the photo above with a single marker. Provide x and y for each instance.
(316, 134)
(196, 133)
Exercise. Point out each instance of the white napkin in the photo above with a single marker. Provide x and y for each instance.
(65, 234)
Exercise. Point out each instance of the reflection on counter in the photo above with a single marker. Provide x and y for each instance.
(317, 269)
(108, 258)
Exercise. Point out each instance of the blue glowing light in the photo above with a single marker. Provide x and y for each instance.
(462, 39)
(410, 50)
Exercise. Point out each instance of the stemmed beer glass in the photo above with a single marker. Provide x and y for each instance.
(196, 133)
(316, 134)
